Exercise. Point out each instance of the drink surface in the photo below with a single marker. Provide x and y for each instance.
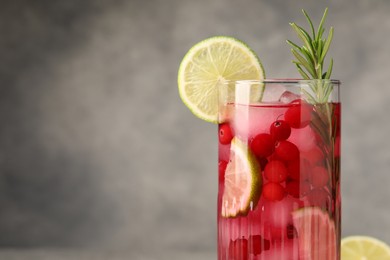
(296, 214)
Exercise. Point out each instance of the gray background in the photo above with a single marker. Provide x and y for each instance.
(98, 152)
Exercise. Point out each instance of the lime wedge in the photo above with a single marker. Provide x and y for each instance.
(316, 234)
(364, 247)
(209, 63)
(242, 181)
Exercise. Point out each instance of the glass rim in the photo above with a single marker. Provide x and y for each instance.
(283, 81)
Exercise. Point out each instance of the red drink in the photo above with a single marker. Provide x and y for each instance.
(288, 206)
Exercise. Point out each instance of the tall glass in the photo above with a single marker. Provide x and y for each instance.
(279, 170)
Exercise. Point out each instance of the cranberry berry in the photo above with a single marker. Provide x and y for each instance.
(286, 151)
(275, 171)
(262, 145)
(319, 177)
(225, 134)
(238, 249)
(257, 244)
(319, 198)
(280, 130)
(299, 114)
(291, 232)
(297, 189)
(273, 191)
(315, 155)
(299, 169)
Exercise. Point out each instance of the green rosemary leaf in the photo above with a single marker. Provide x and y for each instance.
(303, 74)
(327, 44)
(310, 23)
(304, 36)
(320, 27)
(304, 62)
(307, 55)
(320, 46)
(320, 33)
(293, 44)
(309, 43)
(300, 70)
(330, 68)
(314, 45)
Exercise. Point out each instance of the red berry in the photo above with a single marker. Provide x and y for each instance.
(257, 244)
(299, 169)
(319, 177)
(225, 133)
(286, 151)
(275, 171)
(315, 156)
(297, 189)
(221, 169)
(273, 157)
(294, 169)
(299, 114)
(262, 145)
(273, 191)
(238, 249)
(319, 198)
(291, 232)
(280, 130)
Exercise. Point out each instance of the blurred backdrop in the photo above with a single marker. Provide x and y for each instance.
(97, 150)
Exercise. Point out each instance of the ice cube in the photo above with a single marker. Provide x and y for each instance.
(288, 96)
(249, 121)
(303, 138)
(276, 217)
(278, 214)
(273, 93)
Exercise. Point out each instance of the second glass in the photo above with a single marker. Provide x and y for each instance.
(279, 170)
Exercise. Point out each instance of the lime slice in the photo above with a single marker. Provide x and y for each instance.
(242, 181)
(209, 63)
(364, 248)
(316, 234)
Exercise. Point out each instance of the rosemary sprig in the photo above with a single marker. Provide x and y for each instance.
(309, 61)
(311, 55)
(310, 58)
